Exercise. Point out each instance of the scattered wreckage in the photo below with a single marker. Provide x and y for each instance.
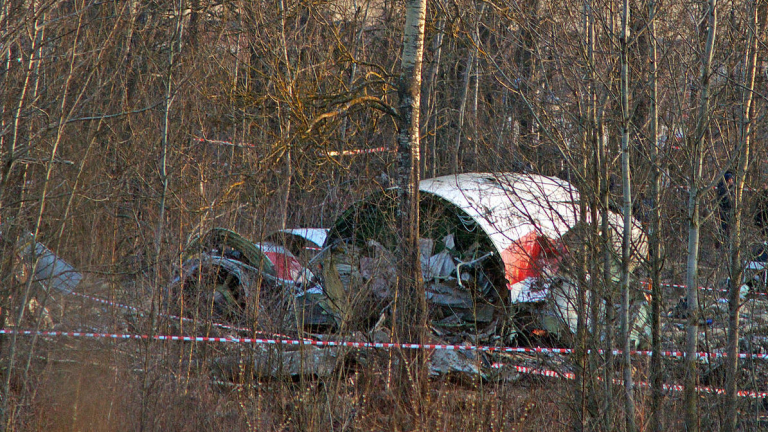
(304, 243)
(45, 267)
(227, 278)
(490, 252)
(491, 249)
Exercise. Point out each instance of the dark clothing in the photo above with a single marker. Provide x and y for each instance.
(725, 204)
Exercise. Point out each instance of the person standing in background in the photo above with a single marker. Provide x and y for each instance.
(725, 204)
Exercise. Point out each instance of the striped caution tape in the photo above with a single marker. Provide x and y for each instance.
(353, 344)
(330, 153)
(687, 188)
(540, 350)
(357, 152)
(667, 387)
(150, 337)
(278, 341)
(256, 341)
(670, 285)
(226, 143)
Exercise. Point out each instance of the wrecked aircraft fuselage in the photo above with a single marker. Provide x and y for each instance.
(491, 247)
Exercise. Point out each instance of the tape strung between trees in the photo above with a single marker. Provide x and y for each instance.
(518, 368)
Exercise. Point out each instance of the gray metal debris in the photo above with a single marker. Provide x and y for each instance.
(50, 270)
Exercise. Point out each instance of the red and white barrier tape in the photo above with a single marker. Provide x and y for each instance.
(687, 188)
(357, 152)
(256, 341)
(226, 143)
(278, 341)
(351, 344)
(330, 153)
(701, 288)
(154, 337)
(667, 387)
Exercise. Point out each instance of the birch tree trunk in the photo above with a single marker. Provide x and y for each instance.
(410, 307)
(742, 151)
(696, 149)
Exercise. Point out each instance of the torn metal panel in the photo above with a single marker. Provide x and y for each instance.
(50, 270)
(325, 361)
(212, 286)
(523, 215)
(453, 362)
(304, 361)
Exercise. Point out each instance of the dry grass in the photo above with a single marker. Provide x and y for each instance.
(108, 385)
(114, 385)
(101, 385)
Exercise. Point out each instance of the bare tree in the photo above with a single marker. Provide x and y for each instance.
(626, 245)
(736, 243)
(410, 308)
(696, 150)
(654, 240)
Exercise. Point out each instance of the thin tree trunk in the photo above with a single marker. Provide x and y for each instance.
(626, 244)
(429, 99)
(353, 72)
(476, 87)
(607, 242)
(462, 110)
(743, 149)
(596, 298)
(579, 420)
(285, 121)
(694, 201)
(409, 314)
(654, 247)
(585, 264)
(691, 414)
(470, 69)
(11, 231)
(164, 180)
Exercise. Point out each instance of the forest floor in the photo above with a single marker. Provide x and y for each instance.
(88, 383)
